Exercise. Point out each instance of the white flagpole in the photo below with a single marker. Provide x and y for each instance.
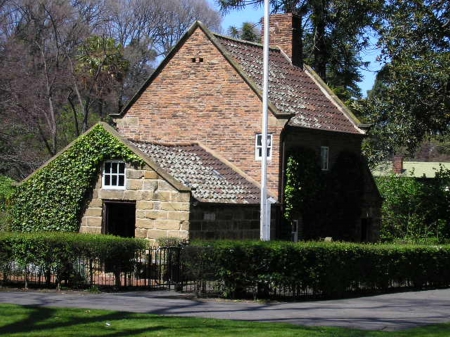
(264, 222)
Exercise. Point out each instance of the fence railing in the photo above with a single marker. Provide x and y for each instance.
(166, 268)
(155, 268)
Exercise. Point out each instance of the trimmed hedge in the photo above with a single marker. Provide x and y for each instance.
(55, 253)
(327, 270)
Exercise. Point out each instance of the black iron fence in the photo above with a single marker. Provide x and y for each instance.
(193, 271)
(155, 268)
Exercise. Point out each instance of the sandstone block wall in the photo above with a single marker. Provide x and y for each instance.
(161, 210)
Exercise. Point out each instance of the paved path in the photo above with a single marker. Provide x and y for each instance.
(384, 312)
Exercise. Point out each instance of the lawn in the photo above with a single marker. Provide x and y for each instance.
(43, 321)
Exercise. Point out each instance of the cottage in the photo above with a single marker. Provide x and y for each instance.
(196, 123)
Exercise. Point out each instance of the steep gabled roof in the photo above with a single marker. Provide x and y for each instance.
(210, 179)
(293, 91)
(296, 93)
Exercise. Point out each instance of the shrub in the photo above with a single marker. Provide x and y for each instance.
(6, 191)
(330, 270)
(57, 253)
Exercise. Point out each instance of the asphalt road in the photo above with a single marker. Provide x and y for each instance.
(385, 312)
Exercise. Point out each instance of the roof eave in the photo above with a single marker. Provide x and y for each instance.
(360, 127)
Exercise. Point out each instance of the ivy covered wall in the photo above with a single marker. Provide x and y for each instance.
(329, 203)
(53, 198)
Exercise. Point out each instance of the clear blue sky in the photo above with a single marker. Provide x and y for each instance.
(254, 14)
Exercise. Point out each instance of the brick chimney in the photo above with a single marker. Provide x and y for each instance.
(398, 164)
(285, 33)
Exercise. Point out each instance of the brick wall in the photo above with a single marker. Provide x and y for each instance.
(161, 210)
(207, 102)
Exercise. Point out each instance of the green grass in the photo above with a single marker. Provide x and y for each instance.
(43, 321)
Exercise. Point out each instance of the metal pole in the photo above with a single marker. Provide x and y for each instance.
(265, 223)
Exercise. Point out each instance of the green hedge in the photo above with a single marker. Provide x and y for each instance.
(56, 253)
(324, 269)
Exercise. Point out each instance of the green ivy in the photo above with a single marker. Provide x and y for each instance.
(329, 203)
(54, 197)
(302, 181)
(6, 191)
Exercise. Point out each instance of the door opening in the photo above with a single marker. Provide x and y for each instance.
(119, 218)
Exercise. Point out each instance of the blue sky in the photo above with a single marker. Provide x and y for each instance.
(254, 14)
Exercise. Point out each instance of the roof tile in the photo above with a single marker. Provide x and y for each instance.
(210, 179)
(291, 90)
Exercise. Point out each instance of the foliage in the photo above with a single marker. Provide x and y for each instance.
(6, 191)
(410, 100)
(334, 35)
(328, 203)
(53, 198)
(413, 209)
(247, 32)
(328, 269)
(75, 59)
(58, 252)
(100, 67)
(303, 182)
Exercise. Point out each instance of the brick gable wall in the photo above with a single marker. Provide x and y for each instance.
(199, 97)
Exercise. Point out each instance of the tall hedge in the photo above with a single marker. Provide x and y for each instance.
(55, 253)
(328, 270)
(52, 199)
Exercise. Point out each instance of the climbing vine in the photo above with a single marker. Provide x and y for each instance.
(329, 203)
(302, 181)
(53, 198)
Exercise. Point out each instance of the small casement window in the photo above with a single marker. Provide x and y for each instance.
(324, 155)
(114, 174)
(259, 148)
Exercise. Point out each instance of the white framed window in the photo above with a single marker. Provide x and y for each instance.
(324, 157)
(259, 148)
(114, 174)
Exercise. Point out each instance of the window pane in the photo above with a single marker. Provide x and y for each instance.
(121, 180)
(114, 181)
(107, 180)
(114, 167)
(121, 167)
(107, 167)
(259, 140)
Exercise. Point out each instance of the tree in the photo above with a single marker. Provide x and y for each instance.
(149, 29)
(67, 63)
(411, 98)
(247, 32)
(100, 67)
(334, 33)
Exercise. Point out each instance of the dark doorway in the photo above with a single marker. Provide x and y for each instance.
(366, 225)
(119, 218)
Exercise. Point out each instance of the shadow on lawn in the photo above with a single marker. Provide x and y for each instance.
(47, 319)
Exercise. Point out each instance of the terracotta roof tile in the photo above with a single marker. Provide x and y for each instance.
(210, 179)
(291, 89)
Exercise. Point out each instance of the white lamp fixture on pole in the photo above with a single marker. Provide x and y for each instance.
(265, 213)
